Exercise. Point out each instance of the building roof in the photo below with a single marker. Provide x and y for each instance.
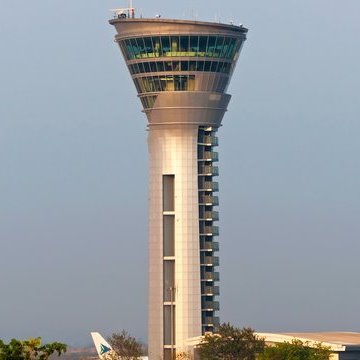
(344, 338)
(337, 341)
(231, 27)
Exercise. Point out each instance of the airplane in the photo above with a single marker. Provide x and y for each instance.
(104, 349)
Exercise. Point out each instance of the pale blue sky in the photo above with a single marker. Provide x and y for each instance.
(73, 175)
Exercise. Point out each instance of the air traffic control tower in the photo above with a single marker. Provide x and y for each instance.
(181, 70)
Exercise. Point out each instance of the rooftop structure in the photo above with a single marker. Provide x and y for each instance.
(181, 70)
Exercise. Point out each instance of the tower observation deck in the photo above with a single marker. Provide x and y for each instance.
(181, 70)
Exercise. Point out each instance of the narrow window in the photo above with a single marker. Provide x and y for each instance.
(231, 48)
(141, 46)
(168, 192)
(148, 47)
(147, 67)
(169, 327)
(214, 66)
(165, 41)
(192, 65)
(225, 48)
(157, 46)
(174, 45)
(207, 66)
(184, 66)
(135, 50)
(157, 84)
(194, 45)
(184, 44)
(211, 46)
(219, 46)
(169, 235)
(169, 280)
(160, 66)
(202, 46)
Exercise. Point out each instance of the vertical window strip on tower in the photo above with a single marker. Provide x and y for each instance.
(207, 230)
(169, 266)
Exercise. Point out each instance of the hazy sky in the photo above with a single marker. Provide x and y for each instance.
(73, 175)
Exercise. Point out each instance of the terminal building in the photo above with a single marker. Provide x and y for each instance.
(343, 345)
(181, 70)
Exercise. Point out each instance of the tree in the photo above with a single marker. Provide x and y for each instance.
(126, 346)
(231, 343)
(296, 350)
(31, 349)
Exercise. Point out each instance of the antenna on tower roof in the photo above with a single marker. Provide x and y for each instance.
(125, 12)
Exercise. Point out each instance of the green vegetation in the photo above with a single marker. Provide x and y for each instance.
(31, 349)
(296, 350)
(126, 346)
(231, 343)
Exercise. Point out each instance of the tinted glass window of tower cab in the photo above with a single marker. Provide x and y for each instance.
(181, 46)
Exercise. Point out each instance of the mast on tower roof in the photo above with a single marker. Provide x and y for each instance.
(124, 13)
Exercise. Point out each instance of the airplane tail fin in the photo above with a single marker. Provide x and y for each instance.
(103, 348)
